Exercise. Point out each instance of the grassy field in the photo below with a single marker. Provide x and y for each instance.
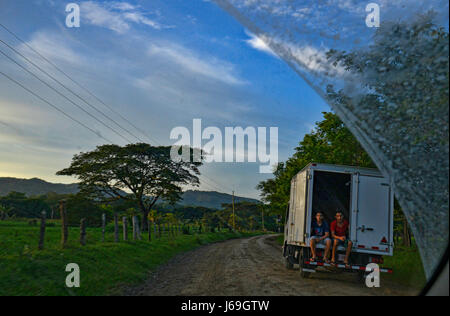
(104, 267)
(406, 263)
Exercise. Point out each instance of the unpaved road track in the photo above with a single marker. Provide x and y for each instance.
(249, 267)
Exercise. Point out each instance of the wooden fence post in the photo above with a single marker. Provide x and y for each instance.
(149, 227)
(103, 226)
(136, 231)
(116, 227)
(42, 232)
(64, 228)
(133, 222)
(83, 232)
(125, 228)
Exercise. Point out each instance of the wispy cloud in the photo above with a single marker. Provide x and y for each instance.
(50, 45)
(123, 6)
(116, 16)
(258, 43)
(209, 67)
(310, 57)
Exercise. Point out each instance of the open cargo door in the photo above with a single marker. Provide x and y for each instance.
(373, 231)
(297, 208)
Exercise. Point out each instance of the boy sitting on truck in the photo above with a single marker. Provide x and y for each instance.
(320, 233)
(339, 230)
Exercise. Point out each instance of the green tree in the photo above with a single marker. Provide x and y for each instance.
(78, 207)
(5, 212)
(137, 172)
(330, 142)
(19, 205)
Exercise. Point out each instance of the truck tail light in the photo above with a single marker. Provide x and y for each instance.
(376, 260)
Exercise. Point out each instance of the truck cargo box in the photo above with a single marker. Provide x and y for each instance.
(364, 195)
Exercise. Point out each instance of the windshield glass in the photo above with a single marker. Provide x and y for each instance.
(172, 124)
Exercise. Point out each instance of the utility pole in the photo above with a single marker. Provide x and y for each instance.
(232, 202)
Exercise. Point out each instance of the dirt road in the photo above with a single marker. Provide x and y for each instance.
(250, 266)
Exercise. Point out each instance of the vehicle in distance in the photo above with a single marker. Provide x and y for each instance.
(363, 195)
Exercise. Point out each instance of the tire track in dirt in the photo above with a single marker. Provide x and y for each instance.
(248, 267)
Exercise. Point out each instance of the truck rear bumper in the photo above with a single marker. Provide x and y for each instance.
(342, 266)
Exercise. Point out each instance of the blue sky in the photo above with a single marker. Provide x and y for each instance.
(158, 63)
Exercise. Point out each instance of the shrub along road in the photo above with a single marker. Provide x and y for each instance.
(249, 266)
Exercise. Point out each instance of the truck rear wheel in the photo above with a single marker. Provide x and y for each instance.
(289, 258)
(360, 277)
(303, 254)
(304, 274)
(288, 263)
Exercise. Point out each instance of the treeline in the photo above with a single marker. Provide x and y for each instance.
(248, 215)
(330, 142)
(137, 181)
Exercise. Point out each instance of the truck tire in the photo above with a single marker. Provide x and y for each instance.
(288, 258)
(288, 263)
(360, 277)
(302, 257)
(304, 274)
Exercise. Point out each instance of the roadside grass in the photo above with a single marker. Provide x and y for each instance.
(104, 267)
(280, 239)
(406, 264)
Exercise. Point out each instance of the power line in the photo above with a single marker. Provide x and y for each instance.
(54, 106)
(211, 184)
(64, 96)
(218, 186)
(75, 82)
(68, 89)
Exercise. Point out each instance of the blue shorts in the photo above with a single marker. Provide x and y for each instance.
(342, 243)
(322, 242)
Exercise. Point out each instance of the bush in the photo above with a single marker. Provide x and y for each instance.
(79, 207)
(186, 230)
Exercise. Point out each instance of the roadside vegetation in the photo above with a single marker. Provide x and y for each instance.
(105, 267)
(127, 191)
(407, 266)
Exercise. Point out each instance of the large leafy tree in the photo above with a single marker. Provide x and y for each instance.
(330, 142)
(139, 172)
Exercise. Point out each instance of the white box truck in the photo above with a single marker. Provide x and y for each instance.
(363, 195)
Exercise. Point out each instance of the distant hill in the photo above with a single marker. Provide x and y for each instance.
(37, 186)
(34, 186)
(211, 199)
